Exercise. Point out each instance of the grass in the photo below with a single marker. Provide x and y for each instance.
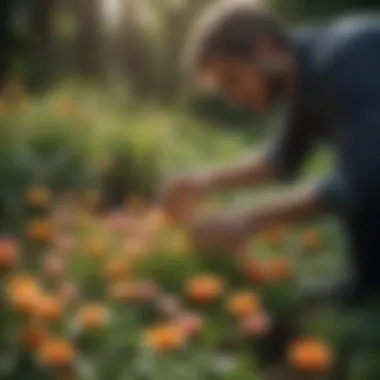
(102, 285)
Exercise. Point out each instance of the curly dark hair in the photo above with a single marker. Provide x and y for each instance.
(227, 30)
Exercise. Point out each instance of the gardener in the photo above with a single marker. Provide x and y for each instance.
(326, 80)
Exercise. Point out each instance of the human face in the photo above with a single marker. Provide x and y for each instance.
(242, 82)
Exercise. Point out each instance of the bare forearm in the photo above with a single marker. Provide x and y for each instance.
(253, 171)
(298, 205)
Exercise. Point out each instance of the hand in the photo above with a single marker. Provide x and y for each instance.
(181, 197)
(221, 234)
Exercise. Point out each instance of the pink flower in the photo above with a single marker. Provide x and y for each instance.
(68, 293)
(119, 221)
(146, 290)
(54, 266)
(190, 324)
(169, 306)
(64, 216)
(65, 244)
(257, 325)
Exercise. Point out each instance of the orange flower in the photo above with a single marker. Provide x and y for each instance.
(280, 269)
(275, 235)
(22, 282)
(310, 355)
(93, 316)
(164, 338)
(55, 353)
(34, 336)
(137, 291)
(268, 271)
(9, 253)
(123, 291)
(40, 230)
(204, 288)
(244, 304)
(49, 309)
(311, 240)
(38, 196)
(117, 269)
(23, 293)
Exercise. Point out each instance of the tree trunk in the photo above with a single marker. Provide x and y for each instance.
(136, 50)
(88, 14)
(42, 42)
(6, 38)
(177, 21)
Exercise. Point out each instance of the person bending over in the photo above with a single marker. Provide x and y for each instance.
(325, 79)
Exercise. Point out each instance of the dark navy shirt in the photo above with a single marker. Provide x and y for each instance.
(338, 103)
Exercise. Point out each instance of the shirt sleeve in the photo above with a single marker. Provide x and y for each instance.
(291, 143)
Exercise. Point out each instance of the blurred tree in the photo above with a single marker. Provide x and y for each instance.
(177, 16)
(42, 62)
(6, 37)
(135, 48)
(89, 41)
(301, 10)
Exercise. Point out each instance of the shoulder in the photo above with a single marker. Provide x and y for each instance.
(348, 38)
(346, 57)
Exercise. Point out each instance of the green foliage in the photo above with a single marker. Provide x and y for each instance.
(299, 11)
(122, 153)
